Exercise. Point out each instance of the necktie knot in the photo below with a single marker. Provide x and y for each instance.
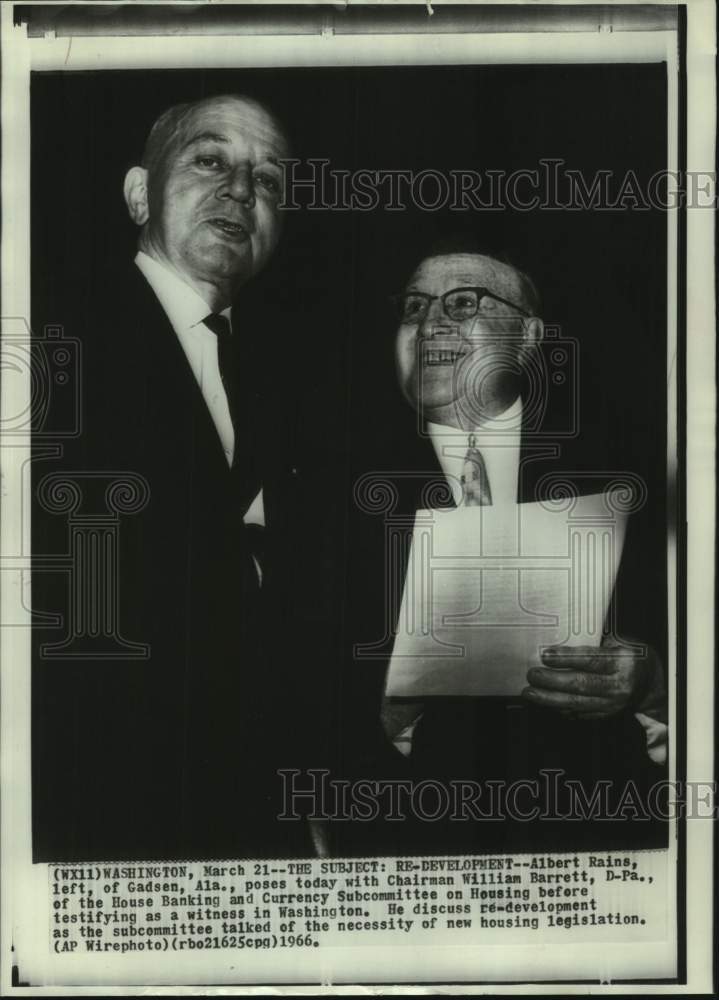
(219, 324)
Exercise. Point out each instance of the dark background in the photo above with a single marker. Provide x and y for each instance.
(322, 302)
(319, 317)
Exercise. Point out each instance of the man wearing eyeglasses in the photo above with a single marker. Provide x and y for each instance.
(468, 324)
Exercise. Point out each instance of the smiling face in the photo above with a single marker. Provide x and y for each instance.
(459, 372)
(209, 206)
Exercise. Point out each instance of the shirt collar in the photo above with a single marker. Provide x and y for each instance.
(185, 308)
(495, 430)
(499, 441)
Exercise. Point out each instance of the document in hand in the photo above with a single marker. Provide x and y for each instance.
(487, 588)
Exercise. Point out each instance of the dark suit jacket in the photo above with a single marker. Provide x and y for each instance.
(490, 738)
(169, 755)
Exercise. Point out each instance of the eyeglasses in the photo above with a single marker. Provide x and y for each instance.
(458, 304)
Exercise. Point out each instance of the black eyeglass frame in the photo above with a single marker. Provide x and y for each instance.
(479, 289)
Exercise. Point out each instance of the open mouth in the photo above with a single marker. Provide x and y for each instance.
(233, 230)
(441, 356)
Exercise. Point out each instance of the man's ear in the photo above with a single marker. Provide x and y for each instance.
(135, 191)
(533, 331)
(532, 336)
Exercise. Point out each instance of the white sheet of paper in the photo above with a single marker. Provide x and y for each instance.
(487, 588)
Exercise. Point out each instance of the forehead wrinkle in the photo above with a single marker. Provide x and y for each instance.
(466, 279)
(227, 141)
(458, 280)
(207, 137)
(254, 122)
(485, 272)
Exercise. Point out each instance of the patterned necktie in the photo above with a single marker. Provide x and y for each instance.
(475, 481)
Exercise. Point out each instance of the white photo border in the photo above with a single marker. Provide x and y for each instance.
(689, 55)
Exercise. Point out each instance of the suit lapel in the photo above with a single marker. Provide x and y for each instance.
(175, 387)
(172, 380)
(249, 416)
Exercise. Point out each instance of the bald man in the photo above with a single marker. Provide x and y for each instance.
(168, 754)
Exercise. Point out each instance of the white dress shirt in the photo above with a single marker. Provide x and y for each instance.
(498, 440)
(186, 311)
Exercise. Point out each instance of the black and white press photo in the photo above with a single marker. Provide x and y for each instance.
(356, 382)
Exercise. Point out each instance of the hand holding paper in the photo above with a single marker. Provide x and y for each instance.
(594, 683)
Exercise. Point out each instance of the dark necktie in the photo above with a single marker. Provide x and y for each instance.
(244, 463)
(220, 326)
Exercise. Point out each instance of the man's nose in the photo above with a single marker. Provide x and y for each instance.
(435, 322)
(239, 186)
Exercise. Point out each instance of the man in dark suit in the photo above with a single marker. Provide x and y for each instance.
(469, 328)
(154, 725)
